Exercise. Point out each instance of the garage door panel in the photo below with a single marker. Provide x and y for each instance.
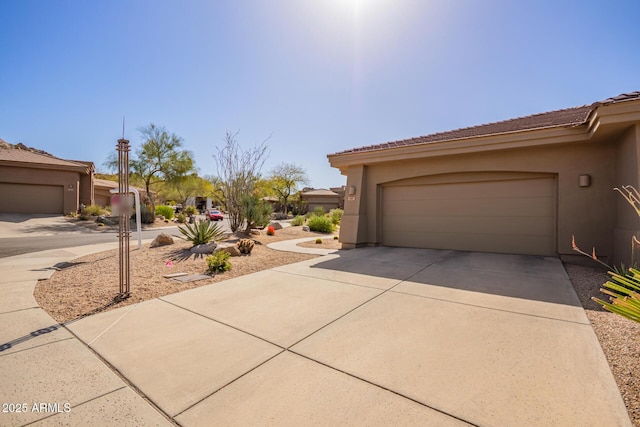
(473, 225)
(511, 216)
(507, 189)
(538, 206)
(26, 198)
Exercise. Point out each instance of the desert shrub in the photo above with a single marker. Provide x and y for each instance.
(320, 224)
(256, 212)
(146, 216)
(181, 218)
(318, 241)
(298, 220)
(318, 211)
(94, 210)
(201, 232)
(218, 262)
(190, 210)
(336, 215)
(165, 211)
(271, 231)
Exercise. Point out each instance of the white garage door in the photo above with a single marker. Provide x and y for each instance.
(506, 216)
(37, 199)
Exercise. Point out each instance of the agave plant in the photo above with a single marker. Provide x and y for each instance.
(201, 232)
(623, 294)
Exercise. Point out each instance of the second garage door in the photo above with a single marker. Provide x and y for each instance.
(505, 216)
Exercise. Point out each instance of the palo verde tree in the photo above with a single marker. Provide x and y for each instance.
(238, 170)
(184, 187)
(160, 158)
(284, 179)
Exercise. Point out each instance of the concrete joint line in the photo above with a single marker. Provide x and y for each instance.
(77, 405)
(35, 307)
(222, 323)
(36, 346)
(384, 388)
(109, 327)
(384, 291)
(330, 280)
(493, 308)
(123, 378)
(230, 382)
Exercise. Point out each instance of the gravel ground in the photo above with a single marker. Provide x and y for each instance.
(619, 337)
(89, 284)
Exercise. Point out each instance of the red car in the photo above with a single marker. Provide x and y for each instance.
(215, 215)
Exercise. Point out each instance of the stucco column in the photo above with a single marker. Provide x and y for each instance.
(353, 226)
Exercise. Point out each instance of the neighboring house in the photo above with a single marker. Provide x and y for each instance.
(325, 199)
(102, 191)
(32, 181)
(522, 186)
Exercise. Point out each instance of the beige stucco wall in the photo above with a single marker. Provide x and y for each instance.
(627, 173)
(68, 179)
(588, 213)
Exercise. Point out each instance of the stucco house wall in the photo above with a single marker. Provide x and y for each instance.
(605, 146)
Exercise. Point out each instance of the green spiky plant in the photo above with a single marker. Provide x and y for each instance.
(623, 293)
(624, 287)
(201, 232)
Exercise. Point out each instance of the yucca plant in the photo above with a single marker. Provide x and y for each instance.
(201, 232)
(623, 294)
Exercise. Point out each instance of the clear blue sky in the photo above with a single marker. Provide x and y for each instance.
(321, 76)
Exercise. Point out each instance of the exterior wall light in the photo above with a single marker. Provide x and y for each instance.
(585, 180)
(352, 190)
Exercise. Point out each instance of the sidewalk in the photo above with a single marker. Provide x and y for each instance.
(47, 374)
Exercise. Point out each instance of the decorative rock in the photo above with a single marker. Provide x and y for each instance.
(255, 231)
(305, 228)
(205, 249)
(162, 240)
(229, 248)
(275, 225)
(108, 220)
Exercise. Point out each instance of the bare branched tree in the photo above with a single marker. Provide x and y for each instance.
(238, 170)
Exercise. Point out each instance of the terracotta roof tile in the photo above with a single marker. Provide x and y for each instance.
(559, 118)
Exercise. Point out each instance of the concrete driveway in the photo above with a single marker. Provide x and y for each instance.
(19, 225)
(372, 336)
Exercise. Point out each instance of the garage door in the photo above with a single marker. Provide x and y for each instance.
(23, 198)
(506, 216)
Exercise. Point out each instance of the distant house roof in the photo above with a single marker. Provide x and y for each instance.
(568, 117)
(320, 192)
(97, 182)
(38, 159)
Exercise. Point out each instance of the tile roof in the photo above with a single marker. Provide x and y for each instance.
(320, 192)
(559, 118)
(25, 156)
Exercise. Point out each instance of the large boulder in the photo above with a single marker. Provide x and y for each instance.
(162, 240)
(275, 225)
(231, 248)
